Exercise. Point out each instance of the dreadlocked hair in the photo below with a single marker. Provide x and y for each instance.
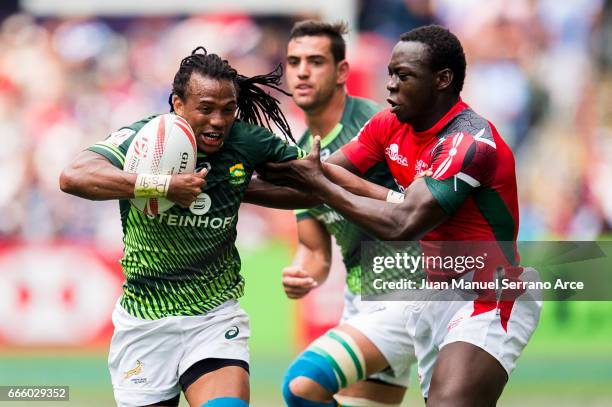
(255, 105)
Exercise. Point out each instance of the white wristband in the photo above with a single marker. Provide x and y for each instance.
(395, 197)
(151, 185)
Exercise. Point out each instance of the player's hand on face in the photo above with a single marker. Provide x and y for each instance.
(184, 188)
(296, 282)
(300, 174)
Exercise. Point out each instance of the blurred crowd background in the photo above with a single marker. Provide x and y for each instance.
(539, 70)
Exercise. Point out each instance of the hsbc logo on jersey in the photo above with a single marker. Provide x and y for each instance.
(393, 153)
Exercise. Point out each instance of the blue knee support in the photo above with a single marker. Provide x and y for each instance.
(226, 402)
(315, 367)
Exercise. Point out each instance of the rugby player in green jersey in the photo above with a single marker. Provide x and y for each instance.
(178, 324)
(316, 75)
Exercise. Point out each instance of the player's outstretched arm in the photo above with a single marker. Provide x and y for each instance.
(353, 183)
(263, 193)
(409, 220)
(92, 176)
(337, 168)
(312, 261)
(339, 158)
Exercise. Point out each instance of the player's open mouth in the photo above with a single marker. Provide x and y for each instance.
(213, 139)
(394, 105)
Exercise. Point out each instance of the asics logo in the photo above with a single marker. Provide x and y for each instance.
(232, 332)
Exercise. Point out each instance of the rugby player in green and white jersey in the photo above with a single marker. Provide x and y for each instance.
(178, 324)
(316, 74)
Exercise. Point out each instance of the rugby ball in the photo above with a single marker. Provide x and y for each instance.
(165, 145)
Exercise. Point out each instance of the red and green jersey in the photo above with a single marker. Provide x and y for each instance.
(184, 261)
(473, 177)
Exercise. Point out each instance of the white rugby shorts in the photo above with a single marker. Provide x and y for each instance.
(147, 357)
(383, 323)
(502, 331)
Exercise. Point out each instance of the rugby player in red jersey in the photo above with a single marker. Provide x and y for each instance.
(464, 190)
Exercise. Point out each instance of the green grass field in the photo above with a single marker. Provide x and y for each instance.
(567, 363)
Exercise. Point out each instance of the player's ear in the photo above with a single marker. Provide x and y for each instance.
(178, 104)
(342, 72)
(444, 79)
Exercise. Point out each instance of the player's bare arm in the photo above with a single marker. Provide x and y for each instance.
(339, 158)
(409, 220)
(92, 176)
(263, 193)
(312, 261)
(341, 173)
(353, 183)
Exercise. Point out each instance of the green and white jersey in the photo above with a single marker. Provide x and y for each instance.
(184, 261)
(357, 112)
